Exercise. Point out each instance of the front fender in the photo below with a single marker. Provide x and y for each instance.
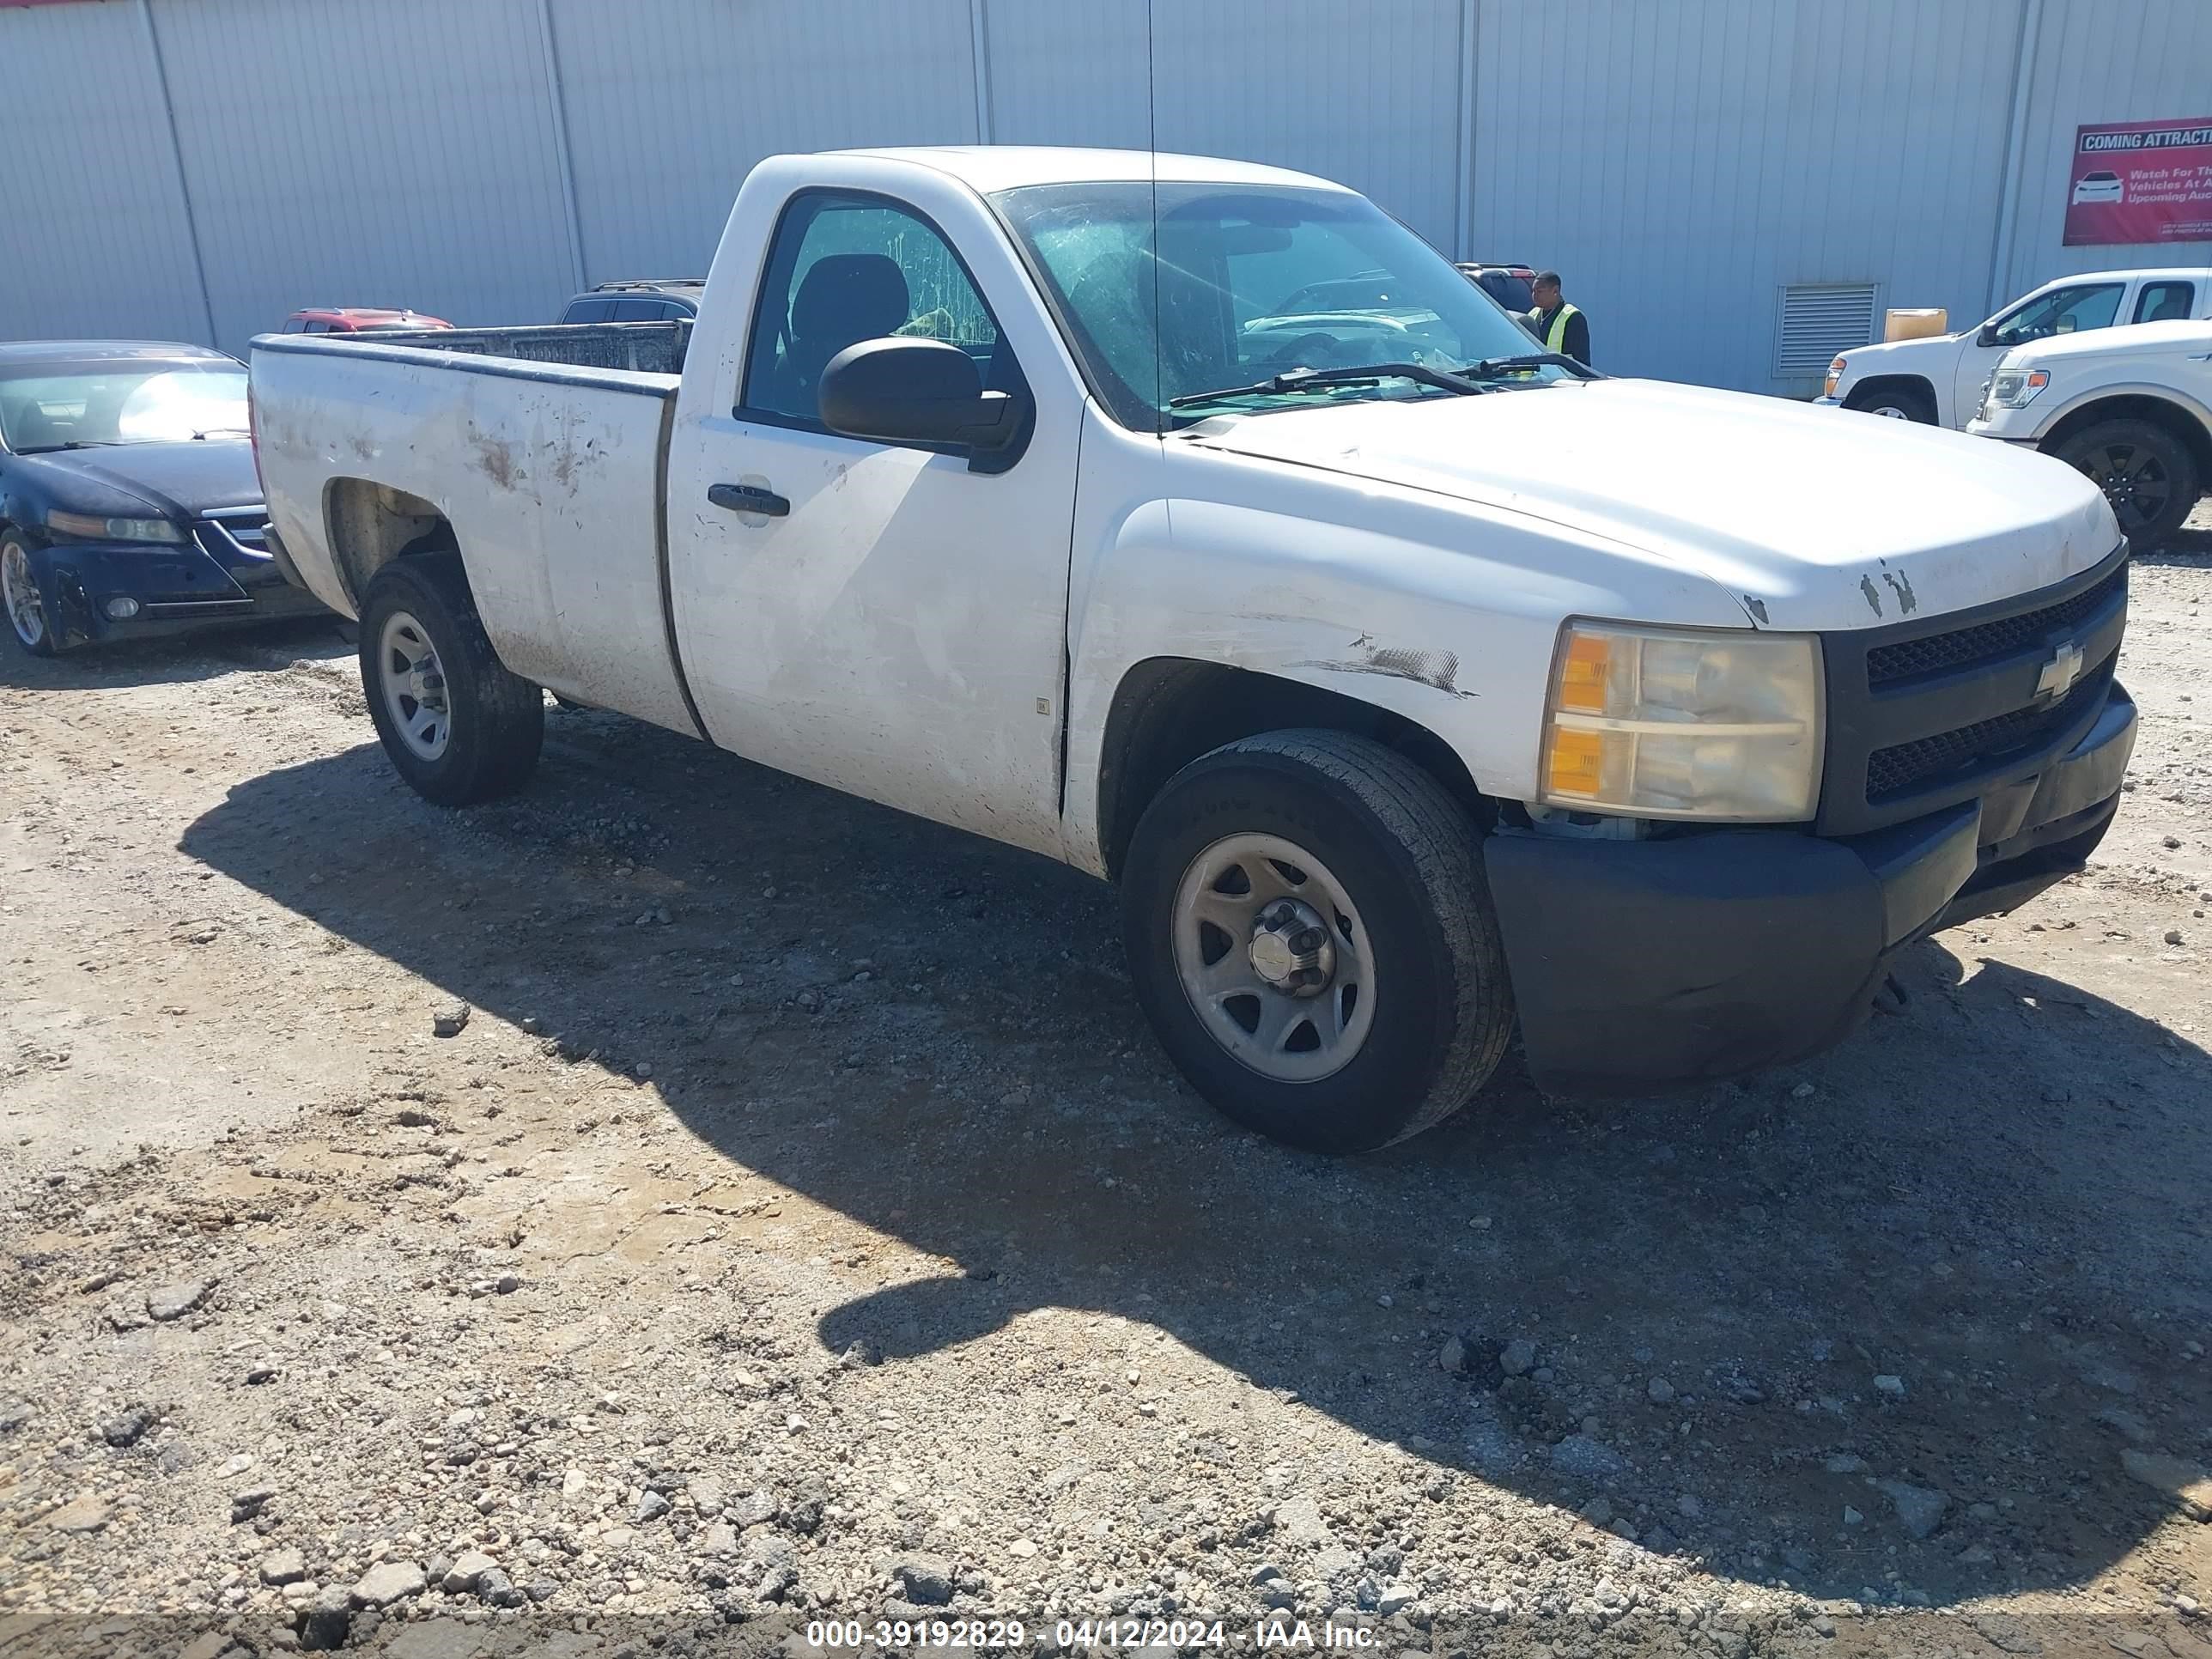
(1442, 612)
(2160, 391)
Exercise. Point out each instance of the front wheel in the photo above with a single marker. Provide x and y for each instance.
(1311, 936)
(458, 726)
(2146, 472)
(28, 619)
(1895, 403)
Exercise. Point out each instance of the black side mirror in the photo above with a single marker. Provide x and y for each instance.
(903, 391)
(1988, 336)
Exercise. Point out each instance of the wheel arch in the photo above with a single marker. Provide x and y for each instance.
(1875, 386)
(1168, 711)
(368, 525)
(2188, 423)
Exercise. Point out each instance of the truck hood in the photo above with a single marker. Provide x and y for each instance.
(1808, 522)
(1896, 356)
(2175, 339)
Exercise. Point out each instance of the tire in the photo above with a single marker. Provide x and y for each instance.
(1895, 402)
(1339, 824)
(458, 726)
(2146, 472)
(29, 618)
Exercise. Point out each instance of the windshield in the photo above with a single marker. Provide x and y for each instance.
(127, 401)
(1251, 282)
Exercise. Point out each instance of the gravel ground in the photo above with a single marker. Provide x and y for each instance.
(797, 1222)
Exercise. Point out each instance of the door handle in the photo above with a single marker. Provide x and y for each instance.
(749, 498)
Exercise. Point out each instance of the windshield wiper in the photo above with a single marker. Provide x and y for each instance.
(74, 443)
(1491, 369)
(1316, 379)
(201, 437)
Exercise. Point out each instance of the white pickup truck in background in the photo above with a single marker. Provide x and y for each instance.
(1938, 379)
(2131, 409)
(1409, 682)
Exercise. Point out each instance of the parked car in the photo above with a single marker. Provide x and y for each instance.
(675, 299)
(1938, 379)
(356, 320)
(2131, 407)
(1513, 287)
(128, 500)
(2100, 187)
(1397, 719)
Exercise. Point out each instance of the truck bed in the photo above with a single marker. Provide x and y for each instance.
(640, 348)
(540, 446)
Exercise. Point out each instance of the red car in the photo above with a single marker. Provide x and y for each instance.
(356, 320)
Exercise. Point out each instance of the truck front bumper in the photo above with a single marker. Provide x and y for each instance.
(1640, 964)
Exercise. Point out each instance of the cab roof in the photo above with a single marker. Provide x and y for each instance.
(2153, 273)
(990, 167)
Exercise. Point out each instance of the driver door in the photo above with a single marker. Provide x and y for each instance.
(2072, 308)
(874, 617)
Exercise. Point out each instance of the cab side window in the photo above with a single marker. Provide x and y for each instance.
(2062, 311)
(2165, 302)
(848, 268)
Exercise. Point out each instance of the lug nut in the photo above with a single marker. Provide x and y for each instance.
(1311, 939)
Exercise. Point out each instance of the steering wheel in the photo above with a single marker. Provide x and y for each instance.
(1315, 350)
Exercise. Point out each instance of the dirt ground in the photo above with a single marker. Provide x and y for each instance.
(804, 1224)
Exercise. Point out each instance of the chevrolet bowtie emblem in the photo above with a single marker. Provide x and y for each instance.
(2060, 672)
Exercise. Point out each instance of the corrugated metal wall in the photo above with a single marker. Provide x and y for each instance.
(395, 155)
(670, 103)
(93, 239)
(2088, 64)
(1680, 160)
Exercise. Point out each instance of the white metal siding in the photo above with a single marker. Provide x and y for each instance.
(1066, 73)
(670, 103)
(1364, 94)
(1680, 161)
(2095, 62)
(94, 239)
(1677, 160)
(343, 155)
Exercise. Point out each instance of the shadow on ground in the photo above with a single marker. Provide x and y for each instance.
(197, 656)
(1995, 1195)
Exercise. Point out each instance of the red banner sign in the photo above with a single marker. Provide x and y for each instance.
(2141, 181)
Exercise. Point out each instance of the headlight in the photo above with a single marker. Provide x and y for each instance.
(2015, 388)
(1668, 723)
(114, 530)
(1835, 375)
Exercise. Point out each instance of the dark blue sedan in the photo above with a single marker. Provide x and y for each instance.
(129, 502)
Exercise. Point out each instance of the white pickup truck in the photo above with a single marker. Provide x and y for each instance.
(2130, 408)
(1413, 686)
(1938, 379)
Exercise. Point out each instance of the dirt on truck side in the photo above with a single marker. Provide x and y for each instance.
(680, 1203)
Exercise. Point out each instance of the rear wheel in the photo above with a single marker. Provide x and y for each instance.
(2146, 472)
(458, 726)
(1895, 402)
(1311, 936)
(28, 619)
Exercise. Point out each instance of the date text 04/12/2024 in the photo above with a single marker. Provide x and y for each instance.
(1290, 1634)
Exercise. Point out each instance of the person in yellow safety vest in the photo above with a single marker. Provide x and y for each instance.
(1560, 326)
